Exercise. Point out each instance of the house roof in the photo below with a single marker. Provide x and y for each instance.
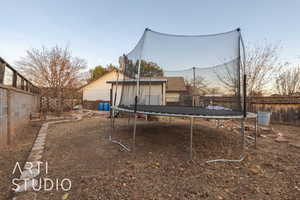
(175, 84)
(114, 70)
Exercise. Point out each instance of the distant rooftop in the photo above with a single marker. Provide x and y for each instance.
(175, 84)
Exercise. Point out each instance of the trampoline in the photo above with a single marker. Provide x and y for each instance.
(212, 66)
(181, 111)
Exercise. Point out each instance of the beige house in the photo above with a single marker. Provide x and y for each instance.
(98, 90)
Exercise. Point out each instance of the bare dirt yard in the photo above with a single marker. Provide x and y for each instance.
(17, 152)
(160, 168)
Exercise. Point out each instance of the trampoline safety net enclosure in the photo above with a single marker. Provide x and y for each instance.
(210, 65)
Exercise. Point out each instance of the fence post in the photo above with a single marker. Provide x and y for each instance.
(22, 84)
(2, 71)
(14, 83)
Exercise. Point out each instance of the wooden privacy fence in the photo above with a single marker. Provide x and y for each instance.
(284, 109)
(51, 104)
(19, 98)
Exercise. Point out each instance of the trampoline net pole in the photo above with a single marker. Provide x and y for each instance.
(114, 104)
(138, 87)
(194, 85)
(244, 77)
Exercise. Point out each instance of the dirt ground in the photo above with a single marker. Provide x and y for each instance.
(17, 152)
(161, 169)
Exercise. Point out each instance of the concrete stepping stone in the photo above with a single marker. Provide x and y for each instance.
(38, 148)
(27, 186)
(33, 164)
(34, 158)
(29, 173)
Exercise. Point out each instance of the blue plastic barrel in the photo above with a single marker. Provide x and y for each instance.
(101, 106)
(263, 118)
(106, 107)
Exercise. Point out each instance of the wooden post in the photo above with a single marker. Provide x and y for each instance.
(22, 84)
(2, 71)
(14, 83)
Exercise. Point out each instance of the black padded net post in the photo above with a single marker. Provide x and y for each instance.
(197, 75)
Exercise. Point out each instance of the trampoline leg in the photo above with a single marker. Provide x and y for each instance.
(113, 125)
(129, 114)
(191, 139)
(134, 133)
(243, 134)
(255, 132)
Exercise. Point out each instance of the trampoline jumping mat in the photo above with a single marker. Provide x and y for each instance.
(182, 110)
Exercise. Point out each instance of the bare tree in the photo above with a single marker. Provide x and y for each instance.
(288, 81)
(228, 76)
(197, 86)
(261, 66)
(53, 68)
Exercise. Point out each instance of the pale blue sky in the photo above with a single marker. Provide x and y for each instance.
(101, 31)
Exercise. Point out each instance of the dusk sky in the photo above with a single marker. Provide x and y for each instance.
(101, 31)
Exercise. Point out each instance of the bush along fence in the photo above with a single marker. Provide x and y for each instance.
(18, 99)
(283, 109)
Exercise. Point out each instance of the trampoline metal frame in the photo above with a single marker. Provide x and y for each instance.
(249, 114)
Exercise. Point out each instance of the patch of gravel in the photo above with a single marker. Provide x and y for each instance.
(17, 152)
